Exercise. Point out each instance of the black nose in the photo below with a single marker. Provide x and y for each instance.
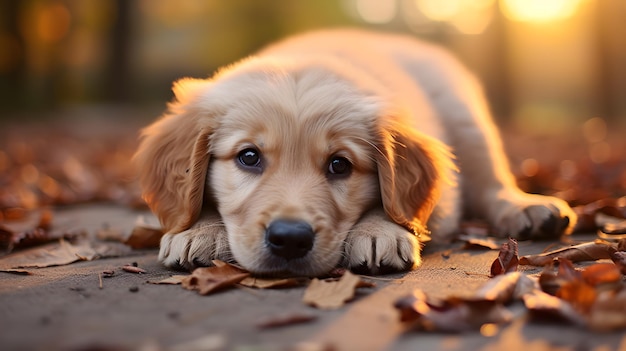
(289, 239)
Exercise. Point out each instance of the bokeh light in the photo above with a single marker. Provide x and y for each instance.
(376, 11)
(539, 10)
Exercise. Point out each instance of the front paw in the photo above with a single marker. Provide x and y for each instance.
(528, 216)
(379, 246)
(193, 248)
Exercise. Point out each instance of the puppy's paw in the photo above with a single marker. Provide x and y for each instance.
(527, 216)
(379, 246)
(195, 247)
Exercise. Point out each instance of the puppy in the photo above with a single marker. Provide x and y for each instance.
(339, 147)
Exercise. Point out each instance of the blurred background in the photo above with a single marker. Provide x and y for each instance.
(542, 61)
(549, 67)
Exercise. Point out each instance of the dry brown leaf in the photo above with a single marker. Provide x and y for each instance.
(590, 215)
(609, 311)
(543, 307)
(451, 315)
(62, 253)
(173, 280)
(333, 294)
(260, 283)
(619, 258)
(507, 259)
(473, 243)
(34, 231)
(614, 228)
(602, 274)
(133, 269)
(207, 280)
(286, 320)
(144, 236)
(590, 251)
(505, 288)
(578, 293)
(16, 271)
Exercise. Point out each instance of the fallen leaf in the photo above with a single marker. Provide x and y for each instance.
(334, 293)
(507, 259)
(472, 243)
(286, 320)
(207, 280)
(450, 315)
(16, 271)
(602, 274)
(590, 216)
(260, 283)
(506, 288)
(590, 251)
(173, 280)
(144, 236)
(613, 229)
(580, 288)
(544, 307)
(578, 294)
(62, 253)
(133, 269)
(619, 258)
(609, 311)
(36, 230)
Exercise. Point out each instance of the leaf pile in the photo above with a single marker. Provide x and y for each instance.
(33, 232)
(593, 297)
(568, 168)
(330, 293)
(457, 314)
(62, 164)
(607, 215)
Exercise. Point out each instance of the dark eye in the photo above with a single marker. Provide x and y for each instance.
(249, 158)
(339, 167)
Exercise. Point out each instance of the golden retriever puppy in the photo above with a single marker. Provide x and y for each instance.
(339, 147)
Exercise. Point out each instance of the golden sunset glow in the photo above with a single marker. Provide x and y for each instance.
(539, 10)
(468, 17)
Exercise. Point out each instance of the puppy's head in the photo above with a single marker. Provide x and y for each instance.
(291, 157)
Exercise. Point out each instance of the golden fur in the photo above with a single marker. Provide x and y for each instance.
(394, 109)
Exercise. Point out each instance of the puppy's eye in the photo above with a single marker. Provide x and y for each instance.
(339, 167)
(249, 158)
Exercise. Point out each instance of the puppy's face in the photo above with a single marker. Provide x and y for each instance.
(292, 155)
(292, 169)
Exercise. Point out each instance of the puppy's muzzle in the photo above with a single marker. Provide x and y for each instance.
(289, 239)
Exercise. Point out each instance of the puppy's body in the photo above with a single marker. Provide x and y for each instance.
(335, 147)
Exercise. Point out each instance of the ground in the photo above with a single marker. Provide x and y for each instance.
(64, 307)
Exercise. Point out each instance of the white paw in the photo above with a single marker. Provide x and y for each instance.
(378, 246)
(526, 216)
(194, 247)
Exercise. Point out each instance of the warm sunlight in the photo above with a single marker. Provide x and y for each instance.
(376, 11)
(539, 10)
(468, 17)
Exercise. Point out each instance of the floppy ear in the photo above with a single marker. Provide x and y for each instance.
(173, 157)
(412, 168)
